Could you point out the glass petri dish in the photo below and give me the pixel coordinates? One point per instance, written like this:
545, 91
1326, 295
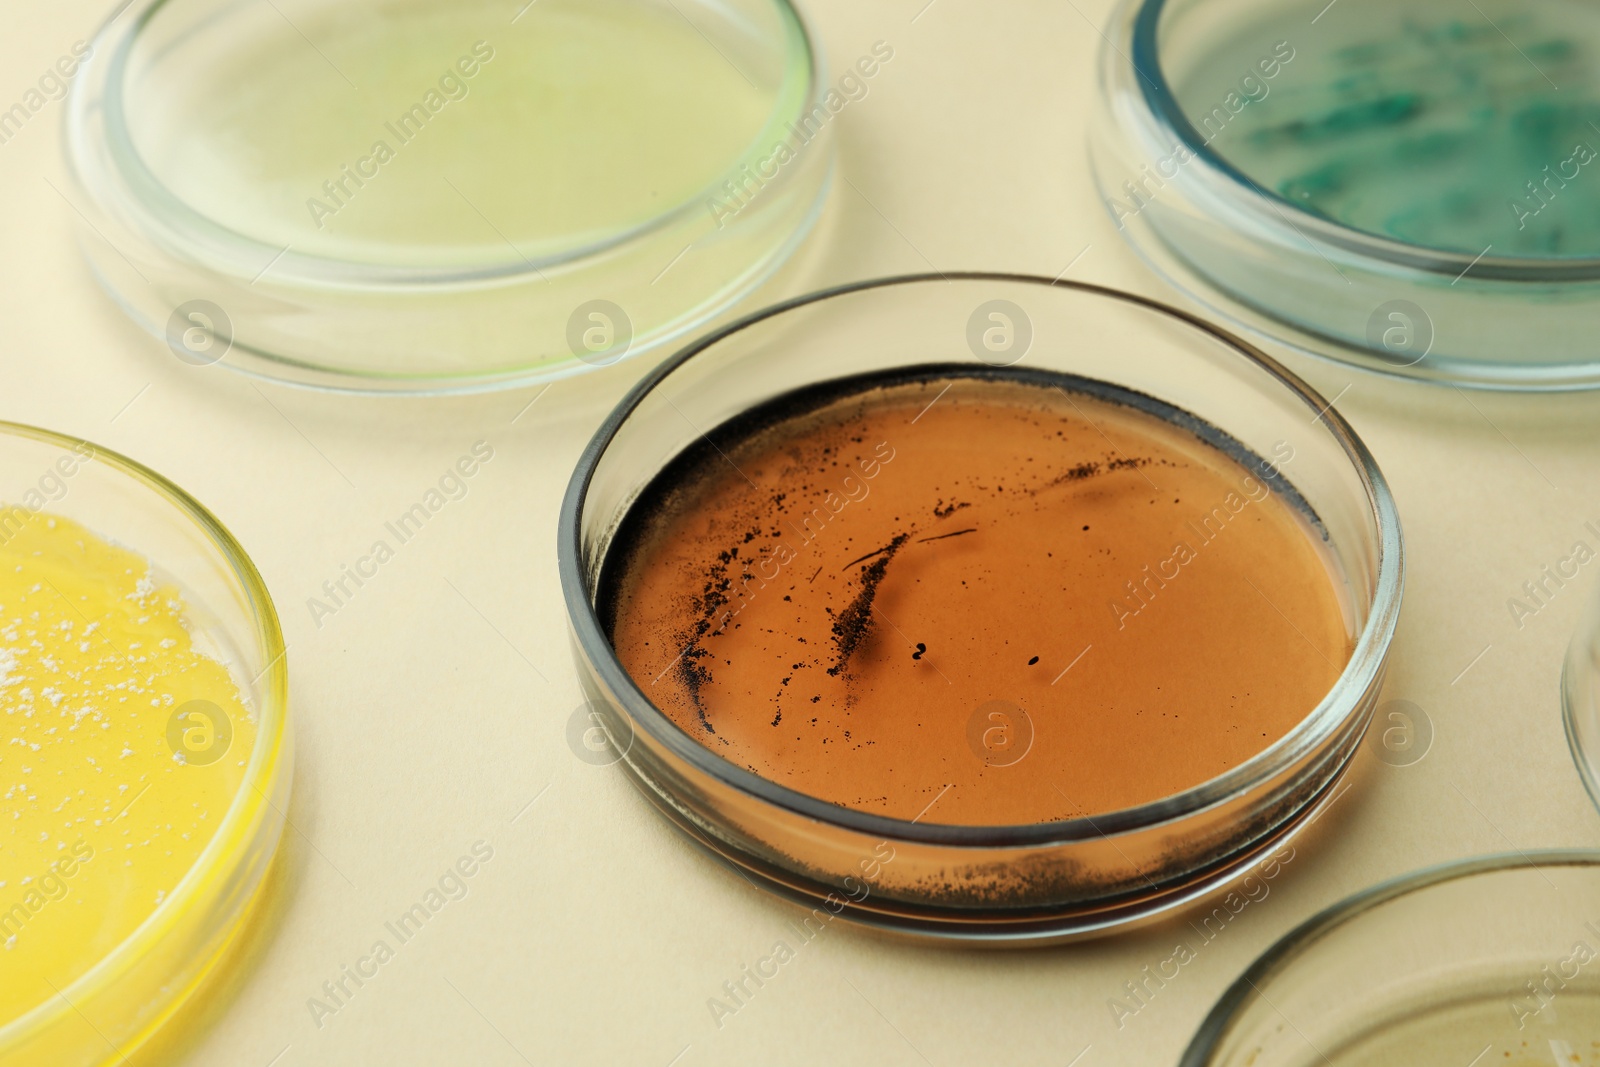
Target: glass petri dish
1395, 185
1022, 883
1487, 960
1580, 700
408, 196
147, 757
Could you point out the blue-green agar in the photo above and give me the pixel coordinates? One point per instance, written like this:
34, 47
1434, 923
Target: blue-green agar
1471, 128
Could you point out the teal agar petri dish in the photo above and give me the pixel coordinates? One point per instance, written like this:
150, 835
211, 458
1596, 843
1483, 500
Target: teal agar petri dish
414, 196
1399, 184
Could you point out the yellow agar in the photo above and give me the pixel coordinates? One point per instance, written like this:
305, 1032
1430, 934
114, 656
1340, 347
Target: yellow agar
105, 801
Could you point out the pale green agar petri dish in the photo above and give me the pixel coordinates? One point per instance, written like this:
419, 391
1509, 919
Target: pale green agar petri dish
1479, 962
427, 196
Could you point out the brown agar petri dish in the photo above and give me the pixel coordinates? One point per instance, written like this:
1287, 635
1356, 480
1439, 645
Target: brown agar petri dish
981, 607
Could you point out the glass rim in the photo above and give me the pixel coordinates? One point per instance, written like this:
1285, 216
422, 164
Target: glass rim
266, 767
1162, 101
1582, 755
1323, 722
1281, 954
197, 231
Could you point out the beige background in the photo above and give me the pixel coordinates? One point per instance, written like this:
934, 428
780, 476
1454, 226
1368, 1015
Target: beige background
428, 718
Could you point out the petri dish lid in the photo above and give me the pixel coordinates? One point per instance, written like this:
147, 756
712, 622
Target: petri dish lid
413, 196
146, 758
1389, 183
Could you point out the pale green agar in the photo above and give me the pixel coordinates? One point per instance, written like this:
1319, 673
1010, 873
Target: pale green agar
1468, 127
1559, 1031
455, 132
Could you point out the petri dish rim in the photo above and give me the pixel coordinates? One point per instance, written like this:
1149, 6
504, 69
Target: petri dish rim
268, 770
1162, 102
1571, 710
1281, 955
1366, 660
1039, 927
193, 229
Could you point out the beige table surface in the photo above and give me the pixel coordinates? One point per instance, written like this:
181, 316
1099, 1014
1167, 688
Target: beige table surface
428, 717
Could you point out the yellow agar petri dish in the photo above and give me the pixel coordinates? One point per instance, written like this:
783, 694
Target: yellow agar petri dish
144, 752
406, 195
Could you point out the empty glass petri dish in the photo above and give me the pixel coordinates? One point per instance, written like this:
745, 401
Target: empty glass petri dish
1484, 961
1580, 699
1389, 183
146, 756
1051, 866
415, 196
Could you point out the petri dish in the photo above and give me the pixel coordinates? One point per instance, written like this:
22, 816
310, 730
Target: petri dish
1488, 960
1399, 186
147, 756
927, 788
407, 196
1580, 701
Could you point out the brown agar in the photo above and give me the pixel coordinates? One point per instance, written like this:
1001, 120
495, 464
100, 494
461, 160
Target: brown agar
1053, 597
